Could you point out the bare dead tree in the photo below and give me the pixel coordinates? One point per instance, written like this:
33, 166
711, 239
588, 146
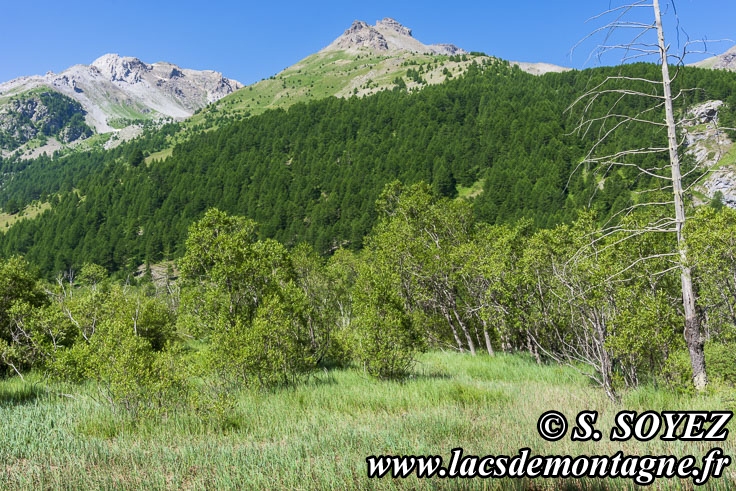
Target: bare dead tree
647, 39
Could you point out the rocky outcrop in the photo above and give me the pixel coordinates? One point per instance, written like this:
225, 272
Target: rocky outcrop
724, 182
387, 36
361, 36
391, 24
539, 68
115, 87
704, 113
446, 49
40, 114
708, 145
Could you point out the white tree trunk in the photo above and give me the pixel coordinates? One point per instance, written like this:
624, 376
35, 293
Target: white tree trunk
693, 336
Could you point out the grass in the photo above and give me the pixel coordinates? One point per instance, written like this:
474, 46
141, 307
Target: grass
29, 212
471, 191
162, 155
20, 93
130, 112
729, 158
317, 435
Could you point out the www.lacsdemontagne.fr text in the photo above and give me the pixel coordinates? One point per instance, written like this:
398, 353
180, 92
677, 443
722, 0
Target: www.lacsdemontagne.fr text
642, 470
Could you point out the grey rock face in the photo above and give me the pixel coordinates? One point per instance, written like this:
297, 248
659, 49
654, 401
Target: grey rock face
704, 113
708, 144
389, 23
726, 61
447, 49
361, 35
113, 87
387, 36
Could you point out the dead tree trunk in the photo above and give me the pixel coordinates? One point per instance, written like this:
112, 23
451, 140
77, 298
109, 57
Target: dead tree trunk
693, 338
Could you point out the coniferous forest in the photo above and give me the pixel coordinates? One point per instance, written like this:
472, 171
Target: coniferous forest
312, 174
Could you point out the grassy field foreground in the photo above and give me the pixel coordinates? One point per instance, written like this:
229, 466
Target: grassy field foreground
317, 435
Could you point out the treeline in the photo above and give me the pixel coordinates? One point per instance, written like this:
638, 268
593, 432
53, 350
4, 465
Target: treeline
250, 312
313, 173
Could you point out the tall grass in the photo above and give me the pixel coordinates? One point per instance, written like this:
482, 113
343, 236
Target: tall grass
317, 435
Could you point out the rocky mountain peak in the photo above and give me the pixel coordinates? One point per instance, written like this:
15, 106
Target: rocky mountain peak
387, 36
118, 68
390, 23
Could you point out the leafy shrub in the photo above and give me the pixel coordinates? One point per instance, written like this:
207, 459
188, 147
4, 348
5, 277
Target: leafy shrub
116, 337
129, 374
272, 350
242, 299
385, 341
720, 361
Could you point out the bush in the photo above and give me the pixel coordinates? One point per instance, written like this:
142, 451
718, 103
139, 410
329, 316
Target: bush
720, 359
385, 341
130, 374
241, 298
116, 337
272, 350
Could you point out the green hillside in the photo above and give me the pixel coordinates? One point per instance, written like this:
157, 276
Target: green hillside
335, 73
327, 74
313, 173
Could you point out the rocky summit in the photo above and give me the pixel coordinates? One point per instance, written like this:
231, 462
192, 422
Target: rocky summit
115, 89
387, 36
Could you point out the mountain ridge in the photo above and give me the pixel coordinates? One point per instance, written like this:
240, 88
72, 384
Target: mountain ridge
724, 61
362, 61
118, 87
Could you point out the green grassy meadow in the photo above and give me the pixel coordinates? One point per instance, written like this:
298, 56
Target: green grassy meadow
317, 435
327, 74
29, 212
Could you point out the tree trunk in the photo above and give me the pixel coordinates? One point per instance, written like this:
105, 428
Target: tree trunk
454, 332
464, 328
487, 337
693, 336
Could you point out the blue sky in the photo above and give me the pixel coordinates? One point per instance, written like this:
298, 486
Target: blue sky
252, 40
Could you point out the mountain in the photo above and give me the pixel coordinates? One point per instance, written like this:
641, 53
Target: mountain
725, 61
115, 92
372, 107
118, 95
362, 61
387, 36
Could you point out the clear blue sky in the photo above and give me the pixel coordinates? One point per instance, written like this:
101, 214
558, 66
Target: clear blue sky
251, 40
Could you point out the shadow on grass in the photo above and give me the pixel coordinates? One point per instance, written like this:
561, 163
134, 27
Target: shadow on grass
429, 376
18, 393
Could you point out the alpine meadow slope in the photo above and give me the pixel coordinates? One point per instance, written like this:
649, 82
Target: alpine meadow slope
364, 60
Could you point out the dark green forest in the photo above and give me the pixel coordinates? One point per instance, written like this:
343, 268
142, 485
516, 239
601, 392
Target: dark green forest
313, 173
